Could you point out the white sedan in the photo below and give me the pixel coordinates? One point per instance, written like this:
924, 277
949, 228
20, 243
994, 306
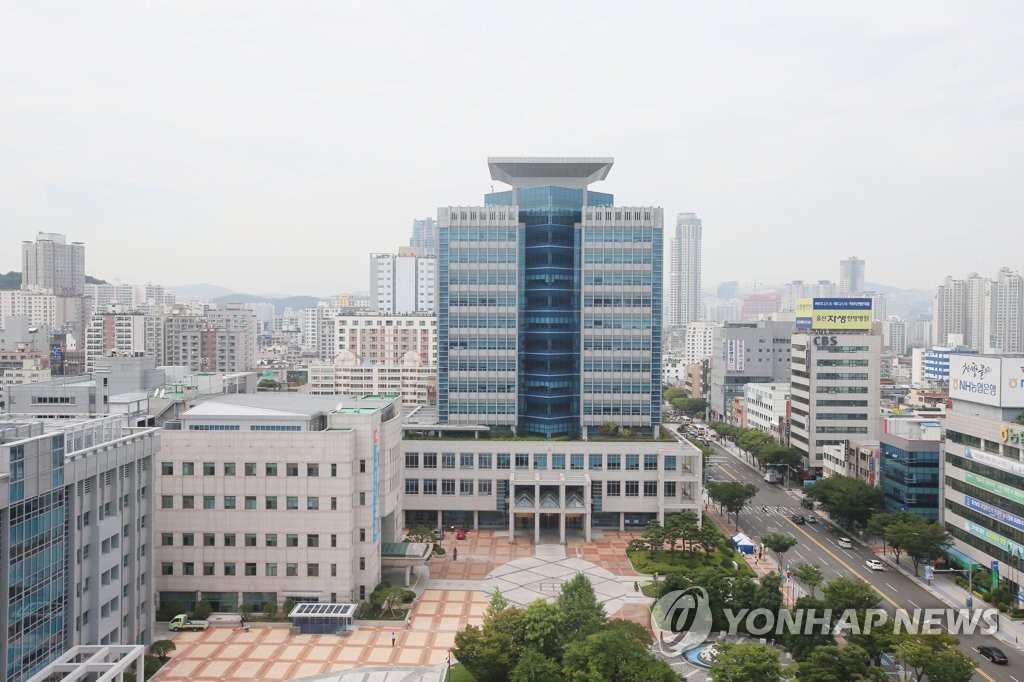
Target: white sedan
875, 565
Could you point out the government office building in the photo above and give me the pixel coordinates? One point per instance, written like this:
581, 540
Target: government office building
982, 492
76, 524
549, 328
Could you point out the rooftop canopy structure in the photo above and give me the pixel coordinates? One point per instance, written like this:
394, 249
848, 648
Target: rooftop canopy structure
541, 171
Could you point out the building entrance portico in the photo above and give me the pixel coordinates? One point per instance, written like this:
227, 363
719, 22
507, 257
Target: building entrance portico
546, 501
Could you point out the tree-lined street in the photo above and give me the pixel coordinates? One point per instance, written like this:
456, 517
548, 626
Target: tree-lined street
771, 511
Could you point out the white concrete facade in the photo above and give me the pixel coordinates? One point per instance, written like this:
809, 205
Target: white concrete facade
403, 283
411, 379
834, 391
699, 342
684, 276
269, 497
381, 338
529, 486
766, 405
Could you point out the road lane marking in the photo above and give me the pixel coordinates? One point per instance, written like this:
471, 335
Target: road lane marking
884, 596
913, 604
891, 587
844, 564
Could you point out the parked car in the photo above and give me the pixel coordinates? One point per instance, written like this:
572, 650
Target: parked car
845, 543
875, 565
798, 519
806, 502
992, 653
460, 534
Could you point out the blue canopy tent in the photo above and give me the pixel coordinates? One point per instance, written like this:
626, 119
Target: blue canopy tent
743, 544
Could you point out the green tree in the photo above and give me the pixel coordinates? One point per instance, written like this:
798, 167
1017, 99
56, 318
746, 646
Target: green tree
949, 666
162, 648
612, 656
421, 534
202, 611
879, 521
927, 543
543, 624
582, 613
849, 593
745, 662
848, 499
809, 575
801, 643
780, 543
533, 666
495, 605
491, 651
768, 595
709, 539
835, 664
654, 536
732, 495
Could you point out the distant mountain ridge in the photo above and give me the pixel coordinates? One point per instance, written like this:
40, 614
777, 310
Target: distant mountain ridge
293, 302
12, 280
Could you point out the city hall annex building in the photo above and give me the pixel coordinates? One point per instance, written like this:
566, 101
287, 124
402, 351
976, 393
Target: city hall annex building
267, 498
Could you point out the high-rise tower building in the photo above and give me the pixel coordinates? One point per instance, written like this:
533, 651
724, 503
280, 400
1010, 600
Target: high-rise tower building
50, 263
403, 283
851, 275
424, 236
684, 293
550, 303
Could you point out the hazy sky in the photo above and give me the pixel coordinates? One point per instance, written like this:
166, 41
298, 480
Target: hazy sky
269, 147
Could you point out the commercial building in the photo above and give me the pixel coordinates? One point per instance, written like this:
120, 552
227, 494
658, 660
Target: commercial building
216, 341
684, 277
403, 283
50, 264
266, 498
411, 378
894, 335
380, 339
116, 330
424, 236
746, 353
834, 389
76, 522
910, 452
550, 304
798, 289
851, 275
982, 471
117, 385
767, 407
699, 342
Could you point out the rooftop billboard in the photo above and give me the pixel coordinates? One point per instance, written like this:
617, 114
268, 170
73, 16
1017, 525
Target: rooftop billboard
989, 380
836, 314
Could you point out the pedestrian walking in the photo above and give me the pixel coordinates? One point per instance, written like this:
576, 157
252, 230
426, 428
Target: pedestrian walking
455, 554
392, 640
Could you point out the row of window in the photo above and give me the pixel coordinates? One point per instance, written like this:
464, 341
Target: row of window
291, 469
539, 461
250, 539
291, 502
428, 486
249, 569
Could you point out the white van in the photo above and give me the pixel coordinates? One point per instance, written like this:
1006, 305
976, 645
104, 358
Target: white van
845, 543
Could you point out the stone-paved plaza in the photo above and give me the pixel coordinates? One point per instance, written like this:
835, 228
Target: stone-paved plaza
453, 596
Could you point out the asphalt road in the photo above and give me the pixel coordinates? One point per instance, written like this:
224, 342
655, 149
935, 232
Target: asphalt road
815, 545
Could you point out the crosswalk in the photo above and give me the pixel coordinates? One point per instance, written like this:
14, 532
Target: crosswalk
773, 510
